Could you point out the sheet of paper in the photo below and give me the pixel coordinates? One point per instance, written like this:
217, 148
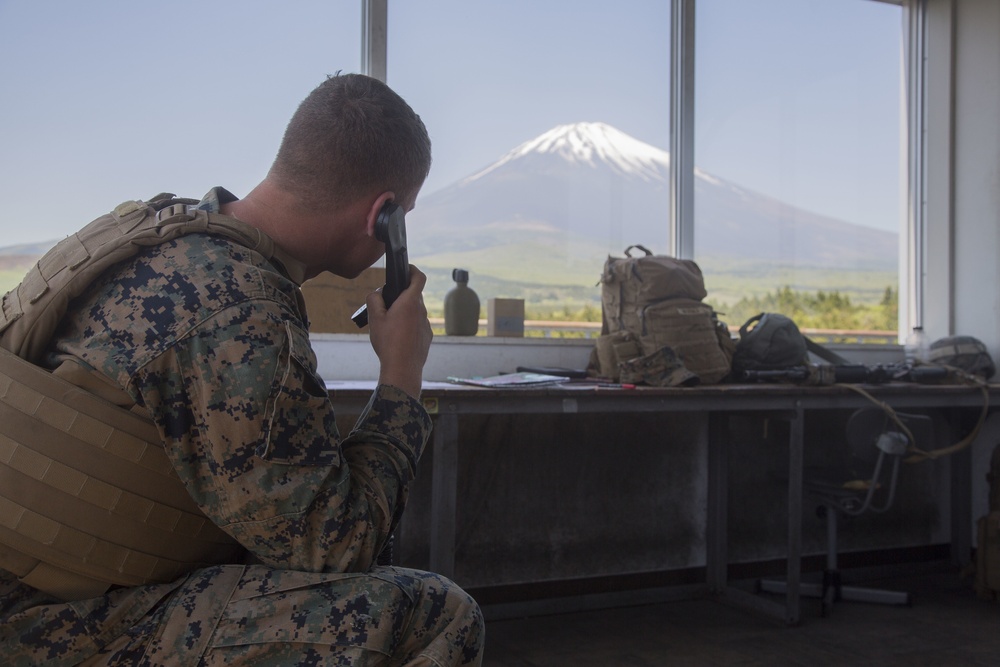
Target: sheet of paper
512, 380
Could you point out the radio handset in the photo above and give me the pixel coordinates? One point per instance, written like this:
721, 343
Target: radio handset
390, 229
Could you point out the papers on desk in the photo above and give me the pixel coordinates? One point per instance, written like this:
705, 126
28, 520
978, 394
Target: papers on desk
512, 380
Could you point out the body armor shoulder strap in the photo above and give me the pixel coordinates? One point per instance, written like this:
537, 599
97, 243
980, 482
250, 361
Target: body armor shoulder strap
30, 313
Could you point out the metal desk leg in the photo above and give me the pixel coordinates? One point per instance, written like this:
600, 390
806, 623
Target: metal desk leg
716, 525
716, 531
961, 506
795, 462
444, 483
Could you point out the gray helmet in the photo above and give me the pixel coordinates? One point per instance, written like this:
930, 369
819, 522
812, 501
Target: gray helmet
963, 352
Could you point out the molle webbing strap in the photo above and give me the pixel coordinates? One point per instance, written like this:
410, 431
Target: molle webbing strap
824, 353
105, 504
31, 312
33, 309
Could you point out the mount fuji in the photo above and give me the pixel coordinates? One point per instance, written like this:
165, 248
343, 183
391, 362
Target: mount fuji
579, 192
540, 221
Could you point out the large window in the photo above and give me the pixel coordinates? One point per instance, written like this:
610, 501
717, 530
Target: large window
800, 174
551, 136
550, 122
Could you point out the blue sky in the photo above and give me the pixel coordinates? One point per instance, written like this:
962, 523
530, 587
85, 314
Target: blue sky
112, 99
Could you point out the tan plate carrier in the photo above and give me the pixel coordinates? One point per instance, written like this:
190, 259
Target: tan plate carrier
88, 496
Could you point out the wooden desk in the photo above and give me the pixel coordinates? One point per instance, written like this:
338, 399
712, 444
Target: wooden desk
714, 404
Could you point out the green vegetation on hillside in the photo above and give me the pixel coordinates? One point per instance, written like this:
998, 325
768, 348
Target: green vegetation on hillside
729, 281
810, 310
816, 310
816, 299
9, 278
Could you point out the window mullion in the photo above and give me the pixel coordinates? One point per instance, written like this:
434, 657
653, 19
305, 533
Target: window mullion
682, 129
913, 268
374, 31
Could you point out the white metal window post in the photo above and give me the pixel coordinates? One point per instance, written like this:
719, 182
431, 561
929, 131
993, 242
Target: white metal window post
682, 128
913, 267
374, 30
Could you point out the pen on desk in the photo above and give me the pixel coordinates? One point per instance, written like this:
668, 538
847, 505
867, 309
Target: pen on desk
614, 385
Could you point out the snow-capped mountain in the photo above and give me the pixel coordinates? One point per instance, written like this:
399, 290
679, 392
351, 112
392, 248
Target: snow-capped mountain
550, 211
579, 192
590, 144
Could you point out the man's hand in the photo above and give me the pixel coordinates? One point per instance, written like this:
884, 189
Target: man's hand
401, 336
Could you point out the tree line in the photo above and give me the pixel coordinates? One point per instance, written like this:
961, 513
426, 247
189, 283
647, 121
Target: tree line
817, 310
810, 310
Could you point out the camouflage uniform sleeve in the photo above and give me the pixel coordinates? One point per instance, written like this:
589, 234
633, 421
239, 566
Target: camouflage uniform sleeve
251, 432
212, 340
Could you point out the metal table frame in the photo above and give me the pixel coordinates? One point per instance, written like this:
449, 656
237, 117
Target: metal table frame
447, 403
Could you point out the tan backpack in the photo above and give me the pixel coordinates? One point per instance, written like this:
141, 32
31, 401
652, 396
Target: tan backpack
656, 301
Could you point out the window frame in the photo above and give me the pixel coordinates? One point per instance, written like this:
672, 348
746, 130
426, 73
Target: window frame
913, 243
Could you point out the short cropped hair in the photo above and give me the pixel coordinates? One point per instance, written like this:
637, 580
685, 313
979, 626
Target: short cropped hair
350, 138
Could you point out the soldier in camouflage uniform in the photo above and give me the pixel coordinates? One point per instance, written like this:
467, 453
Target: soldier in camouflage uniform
212, 340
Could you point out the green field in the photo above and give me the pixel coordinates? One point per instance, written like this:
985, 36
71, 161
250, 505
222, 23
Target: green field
11, 277
729, 281
818, 299
556, 287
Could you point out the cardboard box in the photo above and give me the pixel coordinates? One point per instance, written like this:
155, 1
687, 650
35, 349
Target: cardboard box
505, 317
331, 300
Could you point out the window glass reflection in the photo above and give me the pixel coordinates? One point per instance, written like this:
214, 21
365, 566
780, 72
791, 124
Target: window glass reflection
550, 126
798, 200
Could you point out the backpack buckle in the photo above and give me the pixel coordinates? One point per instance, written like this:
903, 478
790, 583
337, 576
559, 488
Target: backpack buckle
174, 213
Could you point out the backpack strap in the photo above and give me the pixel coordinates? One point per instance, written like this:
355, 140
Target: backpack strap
824, 353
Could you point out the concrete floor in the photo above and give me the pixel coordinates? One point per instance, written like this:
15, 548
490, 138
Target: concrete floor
946, 625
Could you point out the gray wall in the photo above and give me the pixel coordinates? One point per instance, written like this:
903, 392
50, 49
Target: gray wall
963, 170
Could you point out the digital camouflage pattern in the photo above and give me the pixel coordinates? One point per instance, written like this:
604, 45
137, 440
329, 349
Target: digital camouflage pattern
249, 615
662, 368
212, 341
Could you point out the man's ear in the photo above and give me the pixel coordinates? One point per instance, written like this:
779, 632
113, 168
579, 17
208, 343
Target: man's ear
375, 209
